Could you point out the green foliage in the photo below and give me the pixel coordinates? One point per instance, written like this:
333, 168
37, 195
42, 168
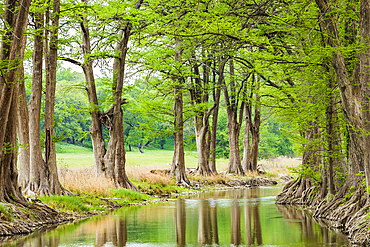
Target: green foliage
349, 194
306, 171
273, 140
5, 213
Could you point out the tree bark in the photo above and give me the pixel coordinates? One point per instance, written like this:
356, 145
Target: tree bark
115, 157
51, 70
350, 96
96, 128
233, 123
331, 142
365, 83
23, 128
199, 97
255, 129
246, 140
216, 99
38, 169
9, 189
178, 161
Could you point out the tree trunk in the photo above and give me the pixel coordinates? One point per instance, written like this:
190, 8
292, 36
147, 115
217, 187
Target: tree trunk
202, 150
178, 161
140, 147
216, 100
51, 70
199, 97
96, 128
330, 139
23, 128
254, 127
365, 83
38, 169
246, 140
234, 155
115, 157
233, 124
349, 93
9, 189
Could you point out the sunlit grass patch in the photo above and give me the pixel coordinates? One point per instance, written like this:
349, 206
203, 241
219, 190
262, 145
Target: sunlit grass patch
125, 196
73, 203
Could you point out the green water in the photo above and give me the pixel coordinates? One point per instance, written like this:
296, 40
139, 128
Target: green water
246, 217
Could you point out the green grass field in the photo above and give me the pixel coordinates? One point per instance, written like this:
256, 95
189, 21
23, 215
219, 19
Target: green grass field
72, 156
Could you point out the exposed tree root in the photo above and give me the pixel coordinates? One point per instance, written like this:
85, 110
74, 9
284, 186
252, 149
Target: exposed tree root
347, 210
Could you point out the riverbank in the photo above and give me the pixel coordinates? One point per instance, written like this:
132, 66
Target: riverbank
50, 211
347, 211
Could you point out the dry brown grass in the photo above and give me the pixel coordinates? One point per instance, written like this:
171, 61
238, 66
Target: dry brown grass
143, 174
279, 164
83, 180
209, 180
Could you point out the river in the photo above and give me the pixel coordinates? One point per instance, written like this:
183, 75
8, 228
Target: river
239, 217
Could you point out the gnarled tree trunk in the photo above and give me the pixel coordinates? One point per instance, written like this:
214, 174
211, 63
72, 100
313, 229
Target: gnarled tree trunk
9, 189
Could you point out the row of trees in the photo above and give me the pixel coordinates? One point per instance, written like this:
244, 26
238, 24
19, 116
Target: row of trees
72, 121
305, 60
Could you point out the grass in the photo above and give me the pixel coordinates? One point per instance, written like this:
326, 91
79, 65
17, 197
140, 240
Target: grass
75, 204
73, 156
5, 213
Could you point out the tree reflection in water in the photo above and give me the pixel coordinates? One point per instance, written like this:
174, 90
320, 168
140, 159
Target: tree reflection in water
114, 231
207, 223
252, 213
180, 222
293, 215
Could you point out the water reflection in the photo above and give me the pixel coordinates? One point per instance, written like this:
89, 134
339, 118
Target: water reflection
111, 231
180, 222
236, 217
253, 235
304, 220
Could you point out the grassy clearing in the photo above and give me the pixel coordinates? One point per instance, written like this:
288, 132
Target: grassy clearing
80, 157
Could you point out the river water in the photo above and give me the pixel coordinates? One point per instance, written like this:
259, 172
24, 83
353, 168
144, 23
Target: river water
240, 217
